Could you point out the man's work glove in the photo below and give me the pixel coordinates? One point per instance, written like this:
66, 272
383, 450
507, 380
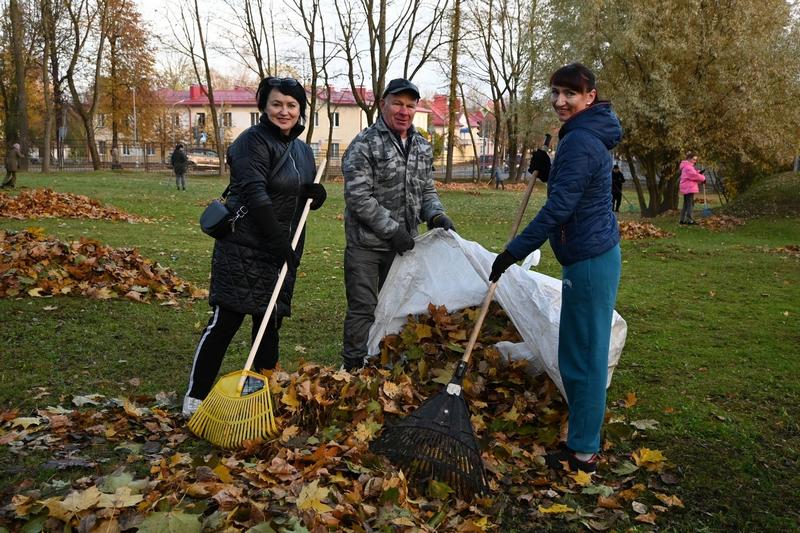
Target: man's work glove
441, 221
316, 192
278, 242
540, 162
401, 241
501, 263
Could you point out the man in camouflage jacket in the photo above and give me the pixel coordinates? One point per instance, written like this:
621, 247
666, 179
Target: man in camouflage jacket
388, 192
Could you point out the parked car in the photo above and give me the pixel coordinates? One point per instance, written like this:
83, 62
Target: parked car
202, 159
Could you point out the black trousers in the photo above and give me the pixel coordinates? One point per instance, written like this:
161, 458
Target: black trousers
364, 274
616, 200
214, 342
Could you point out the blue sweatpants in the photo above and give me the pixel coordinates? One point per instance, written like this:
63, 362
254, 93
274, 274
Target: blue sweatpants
588, 295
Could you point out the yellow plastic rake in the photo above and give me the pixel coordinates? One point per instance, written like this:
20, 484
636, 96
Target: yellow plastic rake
228, 417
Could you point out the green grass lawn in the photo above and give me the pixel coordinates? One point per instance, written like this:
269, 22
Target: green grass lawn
712, 348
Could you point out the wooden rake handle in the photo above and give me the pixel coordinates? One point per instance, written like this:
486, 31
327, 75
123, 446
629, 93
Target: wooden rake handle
276, 291
487, 300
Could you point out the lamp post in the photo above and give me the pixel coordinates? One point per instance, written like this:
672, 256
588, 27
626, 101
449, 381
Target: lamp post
135, 129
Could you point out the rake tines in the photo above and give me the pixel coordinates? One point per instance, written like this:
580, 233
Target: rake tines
437, 442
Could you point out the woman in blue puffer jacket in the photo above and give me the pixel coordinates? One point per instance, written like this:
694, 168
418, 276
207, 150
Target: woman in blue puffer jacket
583, 232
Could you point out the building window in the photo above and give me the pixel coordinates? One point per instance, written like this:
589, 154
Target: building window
101, 147
333, 149
201, 119
101, 120
227, 120
150, 149
176, 120
253, 119
315, 149
126, 149
316, 119
335, 119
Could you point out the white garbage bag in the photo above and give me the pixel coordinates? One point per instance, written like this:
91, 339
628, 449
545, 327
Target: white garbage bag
445, 269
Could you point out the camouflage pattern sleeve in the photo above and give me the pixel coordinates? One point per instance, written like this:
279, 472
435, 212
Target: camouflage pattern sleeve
361, 193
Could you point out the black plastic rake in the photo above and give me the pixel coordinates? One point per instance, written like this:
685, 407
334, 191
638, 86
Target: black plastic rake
437, 440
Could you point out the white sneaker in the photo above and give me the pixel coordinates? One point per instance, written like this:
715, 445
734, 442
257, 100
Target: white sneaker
190, 405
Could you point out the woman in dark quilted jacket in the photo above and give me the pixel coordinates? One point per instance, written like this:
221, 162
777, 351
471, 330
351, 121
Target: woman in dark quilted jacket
246, 263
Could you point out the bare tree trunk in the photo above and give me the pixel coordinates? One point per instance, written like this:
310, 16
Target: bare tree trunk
452, 100
309, 34
186, 46
47, 22
475, 163
87, 115
21, 100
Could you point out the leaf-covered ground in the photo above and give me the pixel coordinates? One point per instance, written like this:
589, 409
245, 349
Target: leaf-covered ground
140, 468
720, 222
34, 264
633, 230
46, 203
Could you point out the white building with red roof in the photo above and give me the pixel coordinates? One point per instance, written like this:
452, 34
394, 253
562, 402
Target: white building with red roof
439, 121
185, 118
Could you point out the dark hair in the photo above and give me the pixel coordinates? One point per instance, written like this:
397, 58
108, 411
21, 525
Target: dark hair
288, 86
575, 76
689, 154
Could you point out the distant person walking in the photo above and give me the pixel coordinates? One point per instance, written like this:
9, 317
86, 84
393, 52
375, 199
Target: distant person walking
690, 177
179, 162
13, 158
498, 178
617, 179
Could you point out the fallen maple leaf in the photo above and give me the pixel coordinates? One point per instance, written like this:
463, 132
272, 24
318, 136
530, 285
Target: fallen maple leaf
121, 498
652, 460
670, 501
174, 521
311, 497
582, 478
556, 508
27, 421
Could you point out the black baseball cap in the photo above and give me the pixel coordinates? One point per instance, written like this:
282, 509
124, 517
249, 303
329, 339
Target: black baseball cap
401, 85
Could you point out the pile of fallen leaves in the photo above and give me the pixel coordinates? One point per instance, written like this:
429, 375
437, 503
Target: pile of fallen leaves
37, 265
631, 230
721, 222
46, 203
318, 474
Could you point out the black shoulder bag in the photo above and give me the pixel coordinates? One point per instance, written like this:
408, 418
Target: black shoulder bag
217, 220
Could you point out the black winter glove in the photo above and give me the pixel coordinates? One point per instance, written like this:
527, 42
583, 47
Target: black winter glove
316, 192
402, 241
278, 242
441, 221
501, 263
540, 162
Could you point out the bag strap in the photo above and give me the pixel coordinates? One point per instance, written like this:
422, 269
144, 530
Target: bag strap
274, 170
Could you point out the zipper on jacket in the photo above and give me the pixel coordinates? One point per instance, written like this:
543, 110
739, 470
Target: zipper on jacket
296, 198
563, 234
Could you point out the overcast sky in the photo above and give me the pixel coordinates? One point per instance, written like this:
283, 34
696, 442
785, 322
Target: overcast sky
160, 15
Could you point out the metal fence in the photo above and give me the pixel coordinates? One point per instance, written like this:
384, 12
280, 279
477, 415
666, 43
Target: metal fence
155, 157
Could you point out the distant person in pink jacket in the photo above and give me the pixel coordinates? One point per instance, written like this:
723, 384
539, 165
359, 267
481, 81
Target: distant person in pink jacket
690, 177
